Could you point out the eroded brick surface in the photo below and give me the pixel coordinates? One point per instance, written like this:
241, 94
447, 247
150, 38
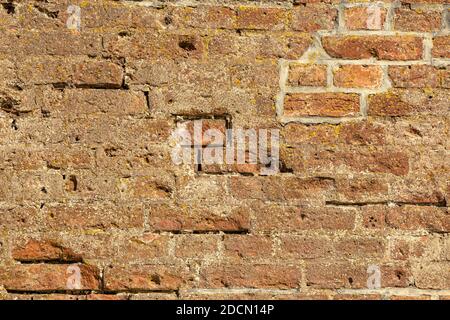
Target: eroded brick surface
93, 207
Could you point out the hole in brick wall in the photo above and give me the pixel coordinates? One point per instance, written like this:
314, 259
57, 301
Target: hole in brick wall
399, 275
350, 280
9, 7
72, 183
14, 125
168, 20
44, 190
187, 44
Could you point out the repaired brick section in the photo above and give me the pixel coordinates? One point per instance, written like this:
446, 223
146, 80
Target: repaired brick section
85, 150
321, 104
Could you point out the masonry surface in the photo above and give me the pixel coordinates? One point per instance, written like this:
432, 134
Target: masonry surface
362, 105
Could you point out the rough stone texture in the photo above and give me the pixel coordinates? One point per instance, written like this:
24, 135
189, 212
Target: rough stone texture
88, 182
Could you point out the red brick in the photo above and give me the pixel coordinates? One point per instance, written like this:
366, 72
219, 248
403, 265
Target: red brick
247, 247
380, 47
359, 18
348, 275
307, 75
419, 76
72, 103
353, 133
214, 17
85, 216
321, 104
441, 47
259, 46
417, 20
351, 248
256, 18
313, 17
147, 277
45, 250
347, 160
289, 218
196, 246
276, 189
76, 71
301, 247
418, 218
250, 276
170, 218
356, 76
47, 277
432, 275
407, 102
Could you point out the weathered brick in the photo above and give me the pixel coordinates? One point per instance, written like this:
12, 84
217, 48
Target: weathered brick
147, 277
290, 218
87, 216
356, 76
301, 247
259, 46
365, 18
307, 75
432, 275
247, 247
419, 76
47, 277
196, 246
277, 189
256, 18
214, 17
379, 47
171, 218
250, 276
73, 102
348, 275
419, 217
441, 47
313, 17
321, 104
45, 250
399, 102
347, 133
417, 20
76, 71
350, 160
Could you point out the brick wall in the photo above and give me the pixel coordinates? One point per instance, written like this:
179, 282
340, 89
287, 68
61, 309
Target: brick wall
358, 90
